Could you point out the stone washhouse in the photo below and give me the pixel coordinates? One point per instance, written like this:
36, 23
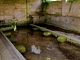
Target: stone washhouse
39, 29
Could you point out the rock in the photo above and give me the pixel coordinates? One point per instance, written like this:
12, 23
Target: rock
47, 33
21, 48
61, 39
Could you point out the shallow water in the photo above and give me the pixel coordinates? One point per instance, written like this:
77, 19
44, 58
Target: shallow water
44, 47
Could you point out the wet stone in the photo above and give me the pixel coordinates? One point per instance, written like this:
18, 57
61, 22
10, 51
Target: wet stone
72, 52
44, 47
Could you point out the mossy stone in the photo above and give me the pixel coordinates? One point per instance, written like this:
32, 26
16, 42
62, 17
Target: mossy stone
61, 39
21, 48
35, 28
47, 33
13, 40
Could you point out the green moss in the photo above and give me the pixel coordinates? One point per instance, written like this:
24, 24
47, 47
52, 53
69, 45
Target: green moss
7, 34
61, 39
7, 28
48, 58
21, 48
13, 40
35, 28
47, 33
76, 30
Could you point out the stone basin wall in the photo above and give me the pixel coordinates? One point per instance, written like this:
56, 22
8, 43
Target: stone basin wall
57, 13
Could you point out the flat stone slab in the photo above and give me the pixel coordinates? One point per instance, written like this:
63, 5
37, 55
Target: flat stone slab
75, 39
7, 49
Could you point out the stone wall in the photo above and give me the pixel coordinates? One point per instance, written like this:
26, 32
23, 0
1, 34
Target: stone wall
21, 9
10, 9
58, 14
55, 8
64, 22
75, 8
33, 6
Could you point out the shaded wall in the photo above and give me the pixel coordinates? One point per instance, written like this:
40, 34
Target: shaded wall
10, 9
75, 8
55, 8
69, 19
33, 6
58, 14
20, 9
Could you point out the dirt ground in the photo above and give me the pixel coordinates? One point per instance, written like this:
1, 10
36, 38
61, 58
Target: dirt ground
39, 47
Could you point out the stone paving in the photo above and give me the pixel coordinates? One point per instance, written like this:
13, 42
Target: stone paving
7, 50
